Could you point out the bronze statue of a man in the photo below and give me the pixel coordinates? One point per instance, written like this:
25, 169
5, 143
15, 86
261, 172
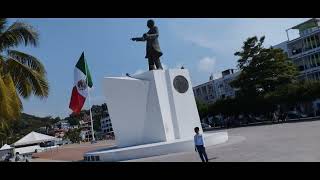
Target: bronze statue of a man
153, 53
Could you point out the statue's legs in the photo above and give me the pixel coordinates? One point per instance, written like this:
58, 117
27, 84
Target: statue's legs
158, 63
151, 64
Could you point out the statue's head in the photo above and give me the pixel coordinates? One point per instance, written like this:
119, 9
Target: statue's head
150, 23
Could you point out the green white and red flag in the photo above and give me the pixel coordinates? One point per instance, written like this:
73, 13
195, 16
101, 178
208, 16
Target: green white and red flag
82, 83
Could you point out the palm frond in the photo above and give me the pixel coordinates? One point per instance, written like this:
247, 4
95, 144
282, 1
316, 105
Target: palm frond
2, 64
3, 22
4, 100
24, 87
3, 127
18, 33
25, 77
10, 105
14, 100
27, 60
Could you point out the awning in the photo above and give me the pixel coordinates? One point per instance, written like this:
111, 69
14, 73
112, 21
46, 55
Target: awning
33, 138
6, 146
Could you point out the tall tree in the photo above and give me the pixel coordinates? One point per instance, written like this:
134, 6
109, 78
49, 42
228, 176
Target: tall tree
262, 69
202, 108
21, 74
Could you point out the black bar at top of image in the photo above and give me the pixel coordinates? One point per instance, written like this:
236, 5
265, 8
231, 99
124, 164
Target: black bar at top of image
156, 9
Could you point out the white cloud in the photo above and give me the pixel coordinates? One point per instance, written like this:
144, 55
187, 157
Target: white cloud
179, 65
139, 71
203, 42
217, 75
225, 36
206, 64
164, 66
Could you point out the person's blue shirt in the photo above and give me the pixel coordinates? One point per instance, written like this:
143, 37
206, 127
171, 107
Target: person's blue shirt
198, 140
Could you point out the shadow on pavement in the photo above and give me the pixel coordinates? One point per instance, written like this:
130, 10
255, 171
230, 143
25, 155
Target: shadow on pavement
213, 158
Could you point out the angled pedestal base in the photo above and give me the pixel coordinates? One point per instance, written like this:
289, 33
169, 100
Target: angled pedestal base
153, 149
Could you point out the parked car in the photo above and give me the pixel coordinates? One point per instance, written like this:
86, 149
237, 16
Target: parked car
217, 122
205, 126
295, 115
246, 119
260, 118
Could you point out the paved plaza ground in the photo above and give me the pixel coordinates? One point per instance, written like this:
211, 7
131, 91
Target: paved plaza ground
299, 141
70, 152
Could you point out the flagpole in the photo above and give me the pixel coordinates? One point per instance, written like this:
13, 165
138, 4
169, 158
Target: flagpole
92, 132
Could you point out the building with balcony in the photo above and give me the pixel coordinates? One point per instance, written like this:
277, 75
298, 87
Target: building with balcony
85, 126
106, 125
304, 51
215, 89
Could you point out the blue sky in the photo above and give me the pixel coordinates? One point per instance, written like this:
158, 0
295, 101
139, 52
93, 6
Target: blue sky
203, 46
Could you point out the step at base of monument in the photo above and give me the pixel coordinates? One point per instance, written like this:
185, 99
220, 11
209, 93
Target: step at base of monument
154, 149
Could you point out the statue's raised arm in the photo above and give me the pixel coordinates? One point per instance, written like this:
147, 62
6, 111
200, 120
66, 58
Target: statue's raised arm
153, 51
138, 39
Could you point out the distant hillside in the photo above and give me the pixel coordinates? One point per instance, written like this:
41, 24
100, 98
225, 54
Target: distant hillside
28, 123
25, 125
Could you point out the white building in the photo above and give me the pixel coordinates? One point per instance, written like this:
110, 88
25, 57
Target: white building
85, 135
215, 89
106, 125
304, 51
63, 124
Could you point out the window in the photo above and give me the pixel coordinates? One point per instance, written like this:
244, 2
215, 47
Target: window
210, 89
312, 65
198, 92
317, 56
306, 44
204, 90
305, 63
315, 60
313, 41
317, 40
97, 158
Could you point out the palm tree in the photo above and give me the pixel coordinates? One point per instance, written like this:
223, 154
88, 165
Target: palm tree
21, 74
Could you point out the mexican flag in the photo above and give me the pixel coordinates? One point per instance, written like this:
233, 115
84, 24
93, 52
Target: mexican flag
82, 83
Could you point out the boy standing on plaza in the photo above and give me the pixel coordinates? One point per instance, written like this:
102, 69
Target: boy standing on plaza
199, 145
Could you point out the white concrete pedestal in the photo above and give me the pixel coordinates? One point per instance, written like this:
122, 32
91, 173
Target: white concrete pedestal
152, 113
154, 149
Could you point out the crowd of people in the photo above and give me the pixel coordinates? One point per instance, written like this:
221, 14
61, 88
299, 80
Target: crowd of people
16, 158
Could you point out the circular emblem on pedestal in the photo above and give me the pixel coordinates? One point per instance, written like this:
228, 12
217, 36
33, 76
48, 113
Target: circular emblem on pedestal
181, 84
